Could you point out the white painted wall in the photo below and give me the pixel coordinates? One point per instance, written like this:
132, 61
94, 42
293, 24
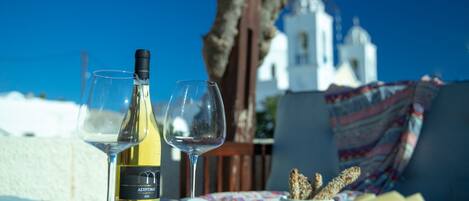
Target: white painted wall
55, 165
307, 82
358, 46
277, 56
264, 89
365, 54
271, 82
318, 71
21, 115
52, 169
345, 76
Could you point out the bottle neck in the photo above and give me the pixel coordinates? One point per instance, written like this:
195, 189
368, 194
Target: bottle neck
145, 92
143, 82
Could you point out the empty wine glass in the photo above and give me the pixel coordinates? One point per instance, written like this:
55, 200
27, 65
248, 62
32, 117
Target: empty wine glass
112, 118
195, 120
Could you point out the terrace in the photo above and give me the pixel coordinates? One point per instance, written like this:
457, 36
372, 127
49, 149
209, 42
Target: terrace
308, 87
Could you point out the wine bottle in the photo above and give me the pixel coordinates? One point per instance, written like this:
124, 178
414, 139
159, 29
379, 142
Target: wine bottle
138, 168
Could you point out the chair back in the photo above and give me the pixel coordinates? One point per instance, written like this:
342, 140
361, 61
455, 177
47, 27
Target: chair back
438, 168
231, 167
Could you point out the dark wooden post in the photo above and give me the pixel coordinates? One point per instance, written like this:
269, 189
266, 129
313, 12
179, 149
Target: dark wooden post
238, 87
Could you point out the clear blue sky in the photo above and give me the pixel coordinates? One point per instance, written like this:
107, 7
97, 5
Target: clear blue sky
40, 41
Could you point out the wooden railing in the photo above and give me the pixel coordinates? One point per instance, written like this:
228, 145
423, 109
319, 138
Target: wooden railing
219, 174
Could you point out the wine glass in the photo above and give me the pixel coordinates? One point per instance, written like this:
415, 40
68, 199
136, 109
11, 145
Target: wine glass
111, 117
195, 120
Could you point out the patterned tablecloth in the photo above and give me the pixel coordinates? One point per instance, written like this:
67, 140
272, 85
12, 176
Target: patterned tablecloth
262, 196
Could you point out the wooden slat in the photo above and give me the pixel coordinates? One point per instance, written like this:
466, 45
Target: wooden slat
241, 186
263, 176
182, 177
220, 174
232, 149
206, 176
254, 173
188, 173
184, 184
268, 159
264, 151
233, 175
246, 176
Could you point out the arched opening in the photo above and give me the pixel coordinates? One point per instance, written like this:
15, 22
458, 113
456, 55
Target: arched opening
302, 49
354, 63
273, 71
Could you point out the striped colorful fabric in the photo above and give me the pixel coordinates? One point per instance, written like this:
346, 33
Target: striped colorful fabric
377, 127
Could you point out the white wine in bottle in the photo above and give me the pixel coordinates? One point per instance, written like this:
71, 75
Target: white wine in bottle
138, 168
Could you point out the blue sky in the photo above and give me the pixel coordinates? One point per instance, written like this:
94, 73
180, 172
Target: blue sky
41, 41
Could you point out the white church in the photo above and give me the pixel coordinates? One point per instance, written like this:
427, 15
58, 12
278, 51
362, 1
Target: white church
302, 58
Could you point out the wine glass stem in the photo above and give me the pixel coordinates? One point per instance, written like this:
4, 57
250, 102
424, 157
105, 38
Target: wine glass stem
111, 177
193, 158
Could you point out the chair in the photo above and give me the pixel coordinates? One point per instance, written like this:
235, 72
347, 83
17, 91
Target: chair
243, 158
438, 168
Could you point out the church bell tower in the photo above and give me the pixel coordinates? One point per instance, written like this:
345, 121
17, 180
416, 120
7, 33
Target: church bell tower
310, 46
360, 53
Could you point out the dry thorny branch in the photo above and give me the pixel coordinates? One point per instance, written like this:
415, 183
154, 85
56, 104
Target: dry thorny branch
219, 42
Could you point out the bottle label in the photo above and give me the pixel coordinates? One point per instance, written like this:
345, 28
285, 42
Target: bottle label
139, 182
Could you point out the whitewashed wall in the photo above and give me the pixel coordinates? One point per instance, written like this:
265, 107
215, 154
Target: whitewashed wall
51, 169
55, 165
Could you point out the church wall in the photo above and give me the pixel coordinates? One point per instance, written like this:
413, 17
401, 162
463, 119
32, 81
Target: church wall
349, 52
324, 44
301, 78
365, 54
309, 61
371, 63
294, 25
265, 89
276, 58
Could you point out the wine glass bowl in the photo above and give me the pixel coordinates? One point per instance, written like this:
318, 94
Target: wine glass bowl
195, 120
111, 117
105, 111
